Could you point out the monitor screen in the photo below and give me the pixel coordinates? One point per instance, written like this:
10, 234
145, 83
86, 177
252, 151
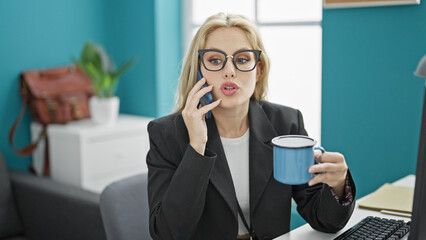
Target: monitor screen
418, 219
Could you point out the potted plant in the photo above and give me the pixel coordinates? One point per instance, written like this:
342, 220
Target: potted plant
96, 63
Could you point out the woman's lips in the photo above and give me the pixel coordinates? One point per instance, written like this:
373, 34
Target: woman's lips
229, 88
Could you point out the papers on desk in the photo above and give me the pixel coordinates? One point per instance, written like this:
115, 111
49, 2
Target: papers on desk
390, 198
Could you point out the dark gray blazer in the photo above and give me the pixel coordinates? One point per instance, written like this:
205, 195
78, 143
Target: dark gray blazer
192, 196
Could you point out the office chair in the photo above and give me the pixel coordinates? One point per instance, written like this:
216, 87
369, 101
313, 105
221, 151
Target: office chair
124, 209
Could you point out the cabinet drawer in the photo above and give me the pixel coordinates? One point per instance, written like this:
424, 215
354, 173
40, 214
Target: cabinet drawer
114, 155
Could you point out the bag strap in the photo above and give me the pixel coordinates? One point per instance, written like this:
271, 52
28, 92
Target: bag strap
249, 229
32, 146
46, 166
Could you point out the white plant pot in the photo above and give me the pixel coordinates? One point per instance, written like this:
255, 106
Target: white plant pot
104, 110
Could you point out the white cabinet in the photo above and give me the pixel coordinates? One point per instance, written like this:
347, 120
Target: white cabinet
92, 156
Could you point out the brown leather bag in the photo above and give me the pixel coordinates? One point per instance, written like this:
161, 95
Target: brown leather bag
58, 95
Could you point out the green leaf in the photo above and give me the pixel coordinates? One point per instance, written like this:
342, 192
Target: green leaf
106, 62
91, 54
123, 68
97, 64
97, 78
106, 83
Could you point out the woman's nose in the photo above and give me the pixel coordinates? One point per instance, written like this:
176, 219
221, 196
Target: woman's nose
229, 70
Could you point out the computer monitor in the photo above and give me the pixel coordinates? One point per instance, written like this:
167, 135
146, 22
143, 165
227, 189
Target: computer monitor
418, 218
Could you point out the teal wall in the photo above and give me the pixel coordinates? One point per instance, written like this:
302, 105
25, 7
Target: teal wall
151, 31
371, 103
45, 33
131, 32
38, 34
168, 52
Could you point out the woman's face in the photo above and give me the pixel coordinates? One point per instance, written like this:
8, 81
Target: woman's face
233, 86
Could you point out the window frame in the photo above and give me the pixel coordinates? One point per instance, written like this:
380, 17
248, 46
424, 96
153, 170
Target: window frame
189, 26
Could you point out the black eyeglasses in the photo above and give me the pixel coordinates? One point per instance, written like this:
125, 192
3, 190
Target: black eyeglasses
243, 60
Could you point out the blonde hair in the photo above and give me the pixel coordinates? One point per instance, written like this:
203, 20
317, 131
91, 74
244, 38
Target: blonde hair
188, 76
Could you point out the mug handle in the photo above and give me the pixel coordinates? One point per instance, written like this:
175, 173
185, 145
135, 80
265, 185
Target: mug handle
317, 161
320, 148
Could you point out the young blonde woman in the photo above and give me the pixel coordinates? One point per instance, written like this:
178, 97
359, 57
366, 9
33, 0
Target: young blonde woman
211, 178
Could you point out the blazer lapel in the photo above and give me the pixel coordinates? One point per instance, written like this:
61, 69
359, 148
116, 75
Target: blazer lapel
260, 158
260, 152
221, 175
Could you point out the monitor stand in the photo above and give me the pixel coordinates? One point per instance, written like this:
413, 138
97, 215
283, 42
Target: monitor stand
418, 219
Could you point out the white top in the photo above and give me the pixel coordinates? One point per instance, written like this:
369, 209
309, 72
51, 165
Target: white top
237, 154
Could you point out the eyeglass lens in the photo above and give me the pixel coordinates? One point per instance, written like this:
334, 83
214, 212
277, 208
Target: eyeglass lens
243, 61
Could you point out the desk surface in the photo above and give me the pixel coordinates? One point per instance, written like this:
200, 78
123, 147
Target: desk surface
305, 232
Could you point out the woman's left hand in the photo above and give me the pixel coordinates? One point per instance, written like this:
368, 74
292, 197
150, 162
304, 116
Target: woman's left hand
334, 169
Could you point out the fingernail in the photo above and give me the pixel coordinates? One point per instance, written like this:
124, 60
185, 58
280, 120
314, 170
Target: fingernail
310, 170
310, 183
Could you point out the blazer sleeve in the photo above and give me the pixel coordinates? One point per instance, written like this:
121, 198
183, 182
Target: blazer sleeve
317, 205
176, 191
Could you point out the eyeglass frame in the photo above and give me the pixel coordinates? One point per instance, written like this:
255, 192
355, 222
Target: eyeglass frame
201, 53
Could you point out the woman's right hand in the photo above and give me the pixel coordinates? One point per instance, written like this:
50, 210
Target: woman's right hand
194, 117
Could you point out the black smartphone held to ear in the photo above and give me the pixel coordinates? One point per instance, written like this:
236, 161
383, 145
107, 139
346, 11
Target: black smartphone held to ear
207, 98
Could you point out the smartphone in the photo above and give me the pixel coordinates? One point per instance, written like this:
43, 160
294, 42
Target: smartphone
207, 98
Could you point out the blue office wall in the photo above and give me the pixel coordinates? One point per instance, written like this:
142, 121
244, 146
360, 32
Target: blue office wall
168, 52
131, 33
151, 31
45, 33
371, 103
38, 34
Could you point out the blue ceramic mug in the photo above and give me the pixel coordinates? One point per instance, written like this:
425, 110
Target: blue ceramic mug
293, 155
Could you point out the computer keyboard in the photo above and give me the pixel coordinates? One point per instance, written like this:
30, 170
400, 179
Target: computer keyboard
375, 228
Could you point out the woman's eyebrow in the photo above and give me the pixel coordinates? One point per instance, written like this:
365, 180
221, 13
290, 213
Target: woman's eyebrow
243, 48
